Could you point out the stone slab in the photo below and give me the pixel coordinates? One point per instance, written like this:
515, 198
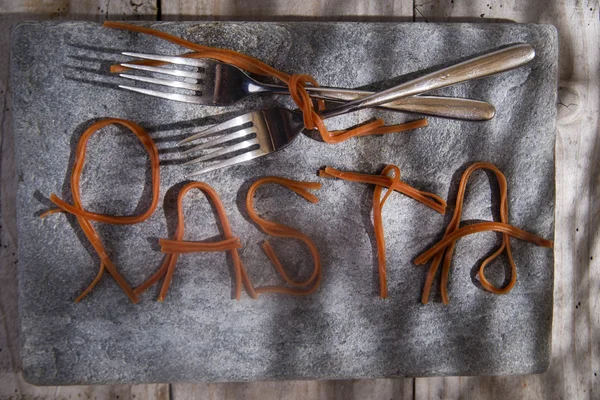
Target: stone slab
61, 85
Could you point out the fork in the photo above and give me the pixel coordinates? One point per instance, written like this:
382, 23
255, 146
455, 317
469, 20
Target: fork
218, 84
273, 129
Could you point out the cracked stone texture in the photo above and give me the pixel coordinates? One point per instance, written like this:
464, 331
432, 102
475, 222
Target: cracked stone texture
61, 85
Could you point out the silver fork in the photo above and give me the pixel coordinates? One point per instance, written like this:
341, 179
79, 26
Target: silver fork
217, 84
272, 129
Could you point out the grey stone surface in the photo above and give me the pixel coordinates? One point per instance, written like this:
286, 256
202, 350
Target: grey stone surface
344, 330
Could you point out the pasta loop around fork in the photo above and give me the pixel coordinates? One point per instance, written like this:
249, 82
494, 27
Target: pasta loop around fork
312, 120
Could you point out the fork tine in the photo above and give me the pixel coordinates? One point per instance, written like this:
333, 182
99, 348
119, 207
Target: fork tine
232, 123
170, 96
166, 71
229, 162
165, 82
194, 62
224, 151
219, 140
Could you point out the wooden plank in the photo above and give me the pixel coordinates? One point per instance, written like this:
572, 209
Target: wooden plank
85, 9
272, 9
298, 390
12, 386
575, 357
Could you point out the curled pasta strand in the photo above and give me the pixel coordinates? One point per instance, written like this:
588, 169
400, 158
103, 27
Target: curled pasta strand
280, 230
431, 200
92, 285
442, 252
392, 183
84, 217
173, 248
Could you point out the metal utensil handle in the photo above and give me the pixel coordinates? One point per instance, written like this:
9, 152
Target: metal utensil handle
479, 67
438, 106
445, 107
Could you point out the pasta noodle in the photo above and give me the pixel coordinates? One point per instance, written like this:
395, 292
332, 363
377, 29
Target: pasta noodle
178, 246
84, 217
280, 230
444, 249
393, 183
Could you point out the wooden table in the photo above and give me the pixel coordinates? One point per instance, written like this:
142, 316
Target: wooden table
575, 361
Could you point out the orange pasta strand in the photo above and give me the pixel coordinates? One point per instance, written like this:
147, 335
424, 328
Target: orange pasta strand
178, 246
296, 84
431, 200
392, 183
280, 230
92, 285
442, 251
84, 217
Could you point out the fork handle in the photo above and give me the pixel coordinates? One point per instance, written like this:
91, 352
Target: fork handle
438, 106
479, 67
445, 107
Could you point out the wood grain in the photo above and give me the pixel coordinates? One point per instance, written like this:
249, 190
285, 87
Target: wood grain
297, 390
84, 9
273, 9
